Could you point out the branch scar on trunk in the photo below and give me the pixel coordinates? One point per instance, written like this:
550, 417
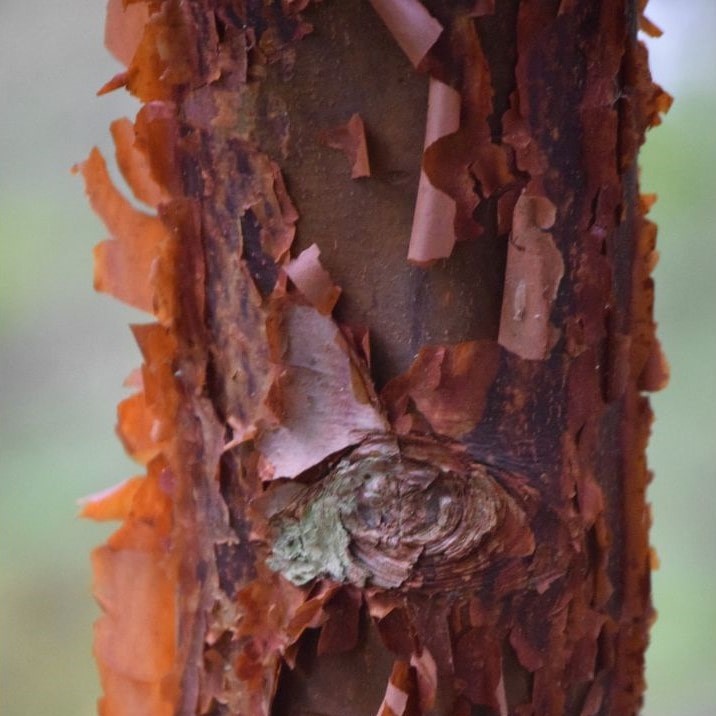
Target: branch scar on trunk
414, 513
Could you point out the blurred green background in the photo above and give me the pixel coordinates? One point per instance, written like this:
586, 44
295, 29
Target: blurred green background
64, 352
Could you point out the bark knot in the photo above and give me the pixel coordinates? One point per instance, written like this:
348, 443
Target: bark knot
404, 513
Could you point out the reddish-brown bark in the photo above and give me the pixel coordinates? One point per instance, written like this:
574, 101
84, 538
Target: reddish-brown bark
419, 489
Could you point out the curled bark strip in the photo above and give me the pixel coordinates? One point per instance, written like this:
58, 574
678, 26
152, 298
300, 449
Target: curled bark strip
413, 514
470, 165
433, 233
412, 26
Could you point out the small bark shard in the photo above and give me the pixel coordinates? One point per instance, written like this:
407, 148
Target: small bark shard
650, 28
413, 27
447, 384
655, 374
433, 234
274, 210
313, 281
272, 615
529, 656
114, 503
133, 164
139, 428
534, 270
350, 139
340, 633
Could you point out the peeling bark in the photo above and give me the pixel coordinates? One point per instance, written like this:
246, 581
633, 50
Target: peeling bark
373, 487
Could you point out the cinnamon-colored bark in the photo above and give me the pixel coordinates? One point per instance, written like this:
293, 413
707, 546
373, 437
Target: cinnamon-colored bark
374, 487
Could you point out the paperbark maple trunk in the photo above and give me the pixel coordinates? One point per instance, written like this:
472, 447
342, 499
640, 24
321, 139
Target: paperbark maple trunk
427, 497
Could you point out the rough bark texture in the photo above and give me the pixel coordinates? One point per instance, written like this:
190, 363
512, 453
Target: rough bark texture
374, 487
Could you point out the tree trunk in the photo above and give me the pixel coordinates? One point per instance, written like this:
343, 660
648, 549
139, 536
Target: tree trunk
425, 495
